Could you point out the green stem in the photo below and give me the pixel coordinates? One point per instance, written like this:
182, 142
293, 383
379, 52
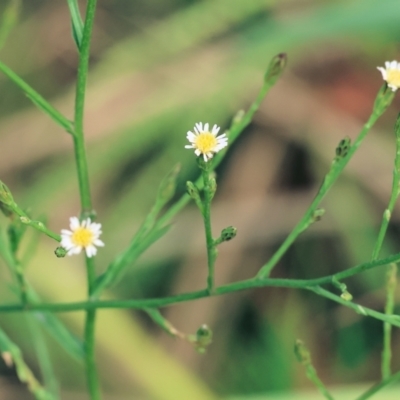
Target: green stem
387, 328
79, 143
84, 189
206, 211
330, 178
376, 388
392, 202
307, 284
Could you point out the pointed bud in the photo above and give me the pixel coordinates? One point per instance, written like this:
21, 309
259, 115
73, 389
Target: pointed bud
301, 352
5, 195
275, 68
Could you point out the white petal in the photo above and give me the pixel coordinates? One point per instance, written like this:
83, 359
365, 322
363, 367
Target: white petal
215, 129
206, 127
74, 223
189, 146
197, 152
98, 243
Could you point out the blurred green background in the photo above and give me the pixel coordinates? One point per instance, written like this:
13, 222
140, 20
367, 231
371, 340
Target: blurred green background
157, 67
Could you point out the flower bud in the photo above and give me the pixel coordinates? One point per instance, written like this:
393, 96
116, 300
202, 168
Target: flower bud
228, 233
60, 252
275, 68
301, 352
5, 195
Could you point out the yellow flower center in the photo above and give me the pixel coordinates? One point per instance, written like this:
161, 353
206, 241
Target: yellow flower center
82, 237
393, 77
206, 142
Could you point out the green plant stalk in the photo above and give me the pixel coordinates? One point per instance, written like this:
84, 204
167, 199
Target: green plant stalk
387, 328
307, 284
84, 190
379, 386
392, 201
304, 357
313, 376
330, 178
206, 212
37, 99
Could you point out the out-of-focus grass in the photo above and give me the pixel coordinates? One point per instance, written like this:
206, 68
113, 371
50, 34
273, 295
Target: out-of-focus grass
157, 68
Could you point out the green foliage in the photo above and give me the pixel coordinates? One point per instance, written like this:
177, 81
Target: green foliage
148, 84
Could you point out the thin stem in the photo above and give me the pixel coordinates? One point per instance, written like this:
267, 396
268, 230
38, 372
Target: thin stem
307, 284
84, 189
304, 356
79, 143
392, 202
206, 211
334, 172
387, 328
376, 388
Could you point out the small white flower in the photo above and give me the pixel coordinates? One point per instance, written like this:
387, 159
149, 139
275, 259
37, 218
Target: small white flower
83, 235
206, 142
391, 74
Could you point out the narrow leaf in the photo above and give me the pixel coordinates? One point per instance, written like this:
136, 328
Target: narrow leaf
37, 99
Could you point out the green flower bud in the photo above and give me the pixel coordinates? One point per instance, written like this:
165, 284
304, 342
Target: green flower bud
203, 338
6, 197
228, 233
60, 252
275, 68
301, 352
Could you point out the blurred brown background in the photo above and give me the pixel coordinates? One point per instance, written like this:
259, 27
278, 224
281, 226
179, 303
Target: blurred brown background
158, 67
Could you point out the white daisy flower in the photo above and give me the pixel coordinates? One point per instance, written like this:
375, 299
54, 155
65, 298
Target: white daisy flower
391, 74
83, 235
206, 142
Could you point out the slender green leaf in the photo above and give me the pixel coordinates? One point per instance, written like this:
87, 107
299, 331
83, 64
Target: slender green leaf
12, 355
37, 99
8, 20
76, 21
